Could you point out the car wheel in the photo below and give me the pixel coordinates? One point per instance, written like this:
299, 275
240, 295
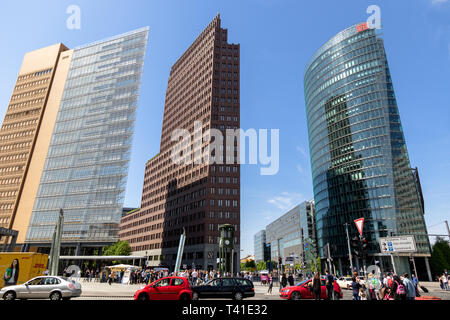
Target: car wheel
143, 297
185, 297
195, 296
55, 295
295, 295
238, 296
10, 295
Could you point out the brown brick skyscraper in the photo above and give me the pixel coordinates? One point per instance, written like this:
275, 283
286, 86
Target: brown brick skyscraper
203, 86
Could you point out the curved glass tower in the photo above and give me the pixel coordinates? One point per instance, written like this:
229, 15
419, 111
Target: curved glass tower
359, 161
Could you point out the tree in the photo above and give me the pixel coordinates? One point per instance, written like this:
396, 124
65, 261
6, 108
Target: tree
250, 264
261, 266
120, 248
440, 256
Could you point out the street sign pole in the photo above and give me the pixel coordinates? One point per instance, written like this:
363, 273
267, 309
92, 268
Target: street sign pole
393, 263
349, 249
359, 225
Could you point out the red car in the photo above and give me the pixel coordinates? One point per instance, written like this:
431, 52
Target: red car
168, 288
302, 291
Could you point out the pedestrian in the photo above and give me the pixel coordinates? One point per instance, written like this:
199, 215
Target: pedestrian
329, 285
398, 288
416, 284
409, 287
443, 282
283, 281
270, 284
355, 288
316, 286
291, 280
194, 277
110, 278
336, 290
362, 294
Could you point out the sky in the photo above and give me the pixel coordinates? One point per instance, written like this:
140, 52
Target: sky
277, 38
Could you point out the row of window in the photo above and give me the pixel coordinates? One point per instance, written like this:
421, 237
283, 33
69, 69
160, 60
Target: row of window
31, 84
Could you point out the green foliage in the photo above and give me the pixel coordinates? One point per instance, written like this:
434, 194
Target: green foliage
261, 266
250, 264
440, 257
120, 248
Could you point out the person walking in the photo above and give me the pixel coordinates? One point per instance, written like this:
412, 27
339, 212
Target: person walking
291, 280
270, 284
398, 288
336, 290
444, 282
194, 277
283, 281
329, 285
316, 284
410, 288
355, 288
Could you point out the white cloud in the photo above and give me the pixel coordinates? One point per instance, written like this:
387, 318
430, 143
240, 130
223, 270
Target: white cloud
299, 168
438, 2
287, 200
302, 151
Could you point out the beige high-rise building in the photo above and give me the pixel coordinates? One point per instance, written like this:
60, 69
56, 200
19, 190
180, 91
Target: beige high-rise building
21, 128
65, 143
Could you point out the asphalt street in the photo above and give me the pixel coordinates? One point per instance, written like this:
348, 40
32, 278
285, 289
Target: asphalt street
104, 291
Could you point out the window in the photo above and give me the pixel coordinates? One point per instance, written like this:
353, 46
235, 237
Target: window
51, 281
37, 281
163, 283
214, 283
177, 282
227, 282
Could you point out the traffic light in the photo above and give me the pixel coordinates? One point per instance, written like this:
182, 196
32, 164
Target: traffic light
280, 261
365, 244
356, 246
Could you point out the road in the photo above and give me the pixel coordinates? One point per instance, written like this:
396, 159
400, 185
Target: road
104, 291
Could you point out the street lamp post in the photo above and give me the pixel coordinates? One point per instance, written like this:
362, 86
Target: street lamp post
349, 249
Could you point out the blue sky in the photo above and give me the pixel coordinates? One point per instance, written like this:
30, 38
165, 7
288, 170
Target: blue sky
277, 38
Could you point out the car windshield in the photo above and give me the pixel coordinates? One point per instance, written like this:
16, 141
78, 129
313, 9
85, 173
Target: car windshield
302, 282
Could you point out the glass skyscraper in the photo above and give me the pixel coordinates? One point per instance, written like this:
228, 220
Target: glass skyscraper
360, 164
86, 166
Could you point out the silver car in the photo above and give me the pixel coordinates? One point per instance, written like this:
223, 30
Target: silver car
45, 287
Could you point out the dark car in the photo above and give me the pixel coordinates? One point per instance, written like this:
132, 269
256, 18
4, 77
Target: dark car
168, 288
234, 288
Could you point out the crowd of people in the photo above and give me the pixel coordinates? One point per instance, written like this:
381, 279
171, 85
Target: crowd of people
388, 286
148, 275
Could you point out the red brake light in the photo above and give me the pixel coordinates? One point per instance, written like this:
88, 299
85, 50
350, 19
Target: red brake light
71, 286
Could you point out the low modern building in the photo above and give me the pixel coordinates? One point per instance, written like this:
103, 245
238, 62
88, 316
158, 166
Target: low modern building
286, 235
261, 248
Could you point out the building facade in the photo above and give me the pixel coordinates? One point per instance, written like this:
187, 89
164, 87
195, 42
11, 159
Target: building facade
80, 158
260, 247
359, 160
21, 127
202, 94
